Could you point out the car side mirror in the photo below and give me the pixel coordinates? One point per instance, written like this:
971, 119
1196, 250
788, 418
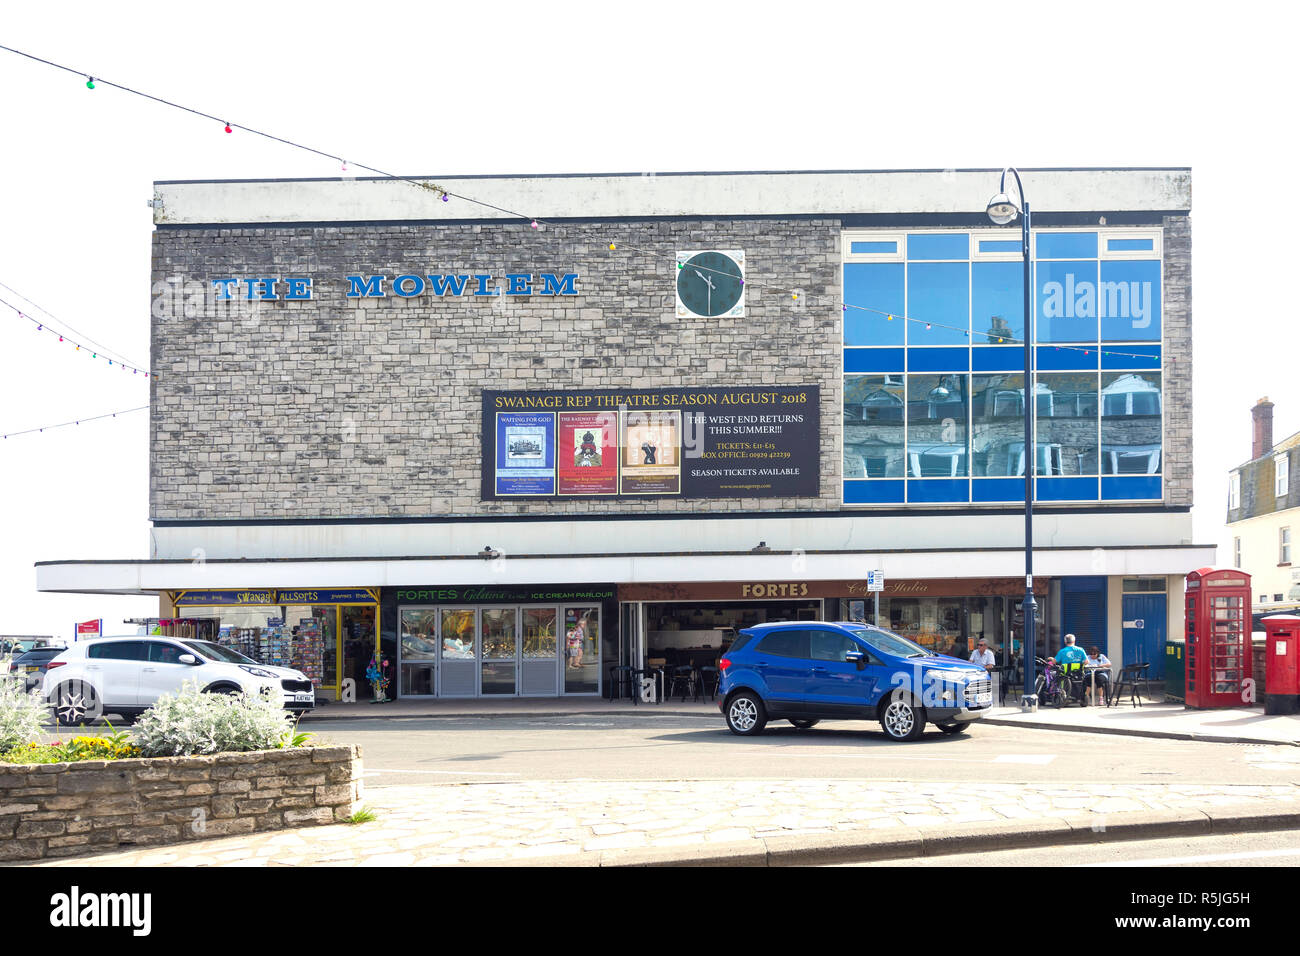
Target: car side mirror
856, 657
188, 659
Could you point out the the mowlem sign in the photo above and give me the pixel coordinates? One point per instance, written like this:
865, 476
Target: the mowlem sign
361, 286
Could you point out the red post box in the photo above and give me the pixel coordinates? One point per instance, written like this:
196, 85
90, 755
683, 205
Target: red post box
1281, 675
1218, 638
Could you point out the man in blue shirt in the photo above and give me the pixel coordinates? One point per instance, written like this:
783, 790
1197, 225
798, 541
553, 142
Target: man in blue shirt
1070, 653
1071, 658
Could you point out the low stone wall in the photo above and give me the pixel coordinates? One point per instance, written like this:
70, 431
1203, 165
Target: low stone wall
66, 809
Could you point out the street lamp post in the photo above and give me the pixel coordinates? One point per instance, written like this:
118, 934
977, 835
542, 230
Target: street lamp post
1002, 211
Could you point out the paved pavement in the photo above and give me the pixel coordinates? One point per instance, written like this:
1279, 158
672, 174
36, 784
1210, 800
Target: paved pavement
757, 819
751, 822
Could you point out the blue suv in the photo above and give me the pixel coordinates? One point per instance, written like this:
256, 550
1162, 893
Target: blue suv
806, 671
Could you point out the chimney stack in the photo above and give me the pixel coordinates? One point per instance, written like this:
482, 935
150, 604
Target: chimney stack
1262, 432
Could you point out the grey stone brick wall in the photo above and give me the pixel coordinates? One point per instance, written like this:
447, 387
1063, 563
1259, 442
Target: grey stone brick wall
1177, 370
69, 809
341, 407
338, 407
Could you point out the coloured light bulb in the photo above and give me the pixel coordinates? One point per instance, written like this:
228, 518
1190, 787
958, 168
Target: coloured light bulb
228, 129
90, 82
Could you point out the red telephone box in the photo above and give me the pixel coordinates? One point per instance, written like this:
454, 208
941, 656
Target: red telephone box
1218, 637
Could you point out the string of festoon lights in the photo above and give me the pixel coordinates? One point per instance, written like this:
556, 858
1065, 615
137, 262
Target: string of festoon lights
75, 421
55, 320
95, 352
538, 224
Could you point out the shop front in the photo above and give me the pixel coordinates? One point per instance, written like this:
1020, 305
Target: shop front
511, 641
693, 623
330, 634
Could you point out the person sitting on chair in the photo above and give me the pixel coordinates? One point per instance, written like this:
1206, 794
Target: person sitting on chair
1071, 658
1099, 664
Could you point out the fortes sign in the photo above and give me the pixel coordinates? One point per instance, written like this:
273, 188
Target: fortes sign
296, 288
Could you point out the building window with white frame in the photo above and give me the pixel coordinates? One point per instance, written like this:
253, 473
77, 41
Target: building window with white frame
1234, 491
1281, 475
1284, 546
1236, 552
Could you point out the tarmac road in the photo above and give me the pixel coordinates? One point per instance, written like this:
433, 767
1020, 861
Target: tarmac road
502, 749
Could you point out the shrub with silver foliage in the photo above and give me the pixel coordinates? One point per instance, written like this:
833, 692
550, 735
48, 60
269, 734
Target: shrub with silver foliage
21, 713
191, 722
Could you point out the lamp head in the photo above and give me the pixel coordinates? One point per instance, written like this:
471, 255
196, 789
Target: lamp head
1002, 210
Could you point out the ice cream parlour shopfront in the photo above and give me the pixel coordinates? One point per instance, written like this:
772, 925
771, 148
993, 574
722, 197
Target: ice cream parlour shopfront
500, 640
330, 634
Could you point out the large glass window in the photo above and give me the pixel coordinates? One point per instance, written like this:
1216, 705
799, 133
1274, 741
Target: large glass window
938, 299
1066, 435
1130, 423
997, 425
998, 302
873, 291
873, 426
538, 635
1098, 327
936, 426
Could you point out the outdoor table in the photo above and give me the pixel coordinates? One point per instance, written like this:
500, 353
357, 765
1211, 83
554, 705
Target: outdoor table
1092, 679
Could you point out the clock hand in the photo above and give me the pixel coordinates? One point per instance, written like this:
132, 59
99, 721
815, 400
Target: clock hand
705, 278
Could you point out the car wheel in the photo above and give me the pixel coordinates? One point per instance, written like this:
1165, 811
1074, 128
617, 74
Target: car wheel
902, 719
75, 703
953, 728
802, 723
745, 714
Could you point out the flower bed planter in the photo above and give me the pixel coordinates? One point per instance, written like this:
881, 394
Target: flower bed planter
66, 809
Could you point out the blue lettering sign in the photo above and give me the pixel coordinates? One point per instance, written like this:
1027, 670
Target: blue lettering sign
555, 285
441, 284
223, 287
484, 283
298, 288
406, 291
372, 288
261, 289
521, 283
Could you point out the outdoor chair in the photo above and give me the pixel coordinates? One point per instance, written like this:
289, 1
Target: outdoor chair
709, 679
1134, 678
683, 677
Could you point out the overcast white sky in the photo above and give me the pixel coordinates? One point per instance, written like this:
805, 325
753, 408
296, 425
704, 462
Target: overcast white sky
491, 87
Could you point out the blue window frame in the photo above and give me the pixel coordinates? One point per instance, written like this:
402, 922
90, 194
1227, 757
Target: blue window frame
938, 293
1098, 334
938, 245
869, 289
1066, 245
870, 246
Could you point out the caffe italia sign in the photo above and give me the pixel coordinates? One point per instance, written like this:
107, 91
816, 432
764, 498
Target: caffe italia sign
768, 590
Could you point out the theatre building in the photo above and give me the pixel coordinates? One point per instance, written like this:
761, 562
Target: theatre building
509, 433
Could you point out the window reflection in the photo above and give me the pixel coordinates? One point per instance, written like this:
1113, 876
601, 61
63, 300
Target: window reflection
998, 301
1066, 427
873, 426
998, 425
936, 426
1130, 423
419, 639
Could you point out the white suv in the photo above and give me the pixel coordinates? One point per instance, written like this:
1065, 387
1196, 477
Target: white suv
125, 675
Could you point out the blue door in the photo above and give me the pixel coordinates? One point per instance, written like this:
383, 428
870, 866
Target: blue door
1144, 632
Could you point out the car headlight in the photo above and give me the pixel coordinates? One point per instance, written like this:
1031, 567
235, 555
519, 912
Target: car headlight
258, 672
948, 677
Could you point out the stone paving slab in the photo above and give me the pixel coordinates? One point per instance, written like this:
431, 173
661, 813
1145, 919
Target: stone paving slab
602, 823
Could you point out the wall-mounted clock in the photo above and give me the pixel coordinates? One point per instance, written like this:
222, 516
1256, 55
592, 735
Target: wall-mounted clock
711, 283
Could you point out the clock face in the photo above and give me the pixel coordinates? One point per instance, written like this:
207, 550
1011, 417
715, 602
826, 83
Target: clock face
711, 283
